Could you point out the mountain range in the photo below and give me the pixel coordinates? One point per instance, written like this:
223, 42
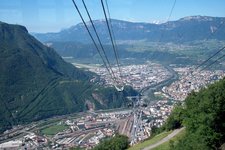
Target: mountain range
187, 41
183, 30
36, 83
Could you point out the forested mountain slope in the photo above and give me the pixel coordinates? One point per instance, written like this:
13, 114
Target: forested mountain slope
35, 82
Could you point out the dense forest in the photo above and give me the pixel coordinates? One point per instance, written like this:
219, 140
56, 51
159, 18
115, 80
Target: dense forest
203, 116
118, 142
36, 83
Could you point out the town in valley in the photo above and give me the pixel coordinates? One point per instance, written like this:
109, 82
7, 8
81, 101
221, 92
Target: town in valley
136, 121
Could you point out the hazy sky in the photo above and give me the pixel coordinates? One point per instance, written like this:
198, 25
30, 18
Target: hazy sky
54, 15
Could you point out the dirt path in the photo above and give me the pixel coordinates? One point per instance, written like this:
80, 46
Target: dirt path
171, 135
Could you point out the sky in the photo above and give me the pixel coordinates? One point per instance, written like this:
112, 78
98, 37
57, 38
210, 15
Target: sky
54, 15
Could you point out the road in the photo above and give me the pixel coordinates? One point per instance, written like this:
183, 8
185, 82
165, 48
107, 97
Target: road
170, 136
145, 93
148, 91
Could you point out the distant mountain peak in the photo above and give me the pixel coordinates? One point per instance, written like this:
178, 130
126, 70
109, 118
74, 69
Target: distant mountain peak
22, 28
157, 22
191, 28
36, 83
198, 17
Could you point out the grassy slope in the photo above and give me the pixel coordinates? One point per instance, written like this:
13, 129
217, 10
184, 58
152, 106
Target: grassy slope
166, 145
151, 141
155, 139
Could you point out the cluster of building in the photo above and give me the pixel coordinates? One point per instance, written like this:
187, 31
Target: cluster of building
90, 128
137, 76
87, 131
29, 141
148, 117
158, 112
191, 81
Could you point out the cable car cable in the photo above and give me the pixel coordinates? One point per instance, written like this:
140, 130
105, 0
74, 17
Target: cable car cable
92, 38
113, 35
110, 34
221, 49
89, 16
213, 62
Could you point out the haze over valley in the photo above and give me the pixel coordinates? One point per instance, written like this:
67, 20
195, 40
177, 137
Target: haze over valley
102, 83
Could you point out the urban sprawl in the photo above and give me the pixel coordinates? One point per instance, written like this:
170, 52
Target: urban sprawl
87, 129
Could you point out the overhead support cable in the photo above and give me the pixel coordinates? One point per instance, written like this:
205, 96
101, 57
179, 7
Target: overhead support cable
113, 35
110, 34
171, 11
221, 49
213, 62
170, 14
96, 33
112, 76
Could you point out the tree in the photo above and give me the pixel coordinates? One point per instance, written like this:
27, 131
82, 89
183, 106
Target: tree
204, 118
176, 118
119, 142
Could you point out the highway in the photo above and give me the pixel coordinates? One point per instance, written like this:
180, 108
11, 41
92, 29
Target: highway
144, 93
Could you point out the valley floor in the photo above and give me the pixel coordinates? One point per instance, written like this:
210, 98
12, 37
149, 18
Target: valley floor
87, 129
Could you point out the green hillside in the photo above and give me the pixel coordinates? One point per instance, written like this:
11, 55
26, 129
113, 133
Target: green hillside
150, 141
203, 115
35, 82
167, 145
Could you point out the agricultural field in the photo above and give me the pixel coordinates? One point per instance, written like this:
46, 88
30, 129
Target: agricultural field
54, 129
